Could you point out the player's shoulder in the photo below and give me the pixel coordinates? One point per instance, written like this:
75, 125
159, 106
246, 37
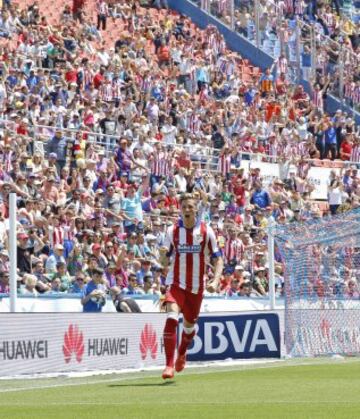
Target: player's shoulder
208, 227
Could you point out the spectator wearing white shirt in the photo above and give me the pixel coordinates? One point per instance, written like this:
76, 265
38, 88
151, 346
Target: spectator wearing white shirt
169, 132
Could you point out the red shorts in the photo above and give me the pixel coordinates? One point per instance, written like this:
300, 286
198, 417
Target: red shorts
188, 302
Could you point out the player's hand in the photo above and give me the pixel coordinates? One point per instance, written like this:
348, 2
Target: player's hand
212, 286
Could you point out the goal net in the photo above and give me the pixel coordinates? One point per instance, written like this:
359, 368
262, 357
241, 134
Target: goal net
322, 273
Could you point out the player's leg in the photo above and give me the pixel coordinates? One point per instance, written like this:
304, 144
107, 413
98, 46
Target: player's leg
191, 312
186, 339
169, 337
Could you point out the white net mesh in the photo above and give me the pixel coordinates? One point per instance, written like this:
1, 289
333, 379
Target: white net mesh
322, 264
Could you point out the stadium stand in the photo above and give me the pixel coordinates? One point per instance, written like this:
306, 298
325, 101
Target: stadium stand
108, 111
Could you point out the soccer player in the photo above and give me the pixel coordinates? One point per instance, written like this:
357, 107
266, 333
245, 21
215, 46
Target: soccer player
189, 244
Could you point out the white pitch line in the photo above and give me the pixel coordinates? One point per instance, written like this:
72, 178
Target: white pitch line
190, 403
194, 370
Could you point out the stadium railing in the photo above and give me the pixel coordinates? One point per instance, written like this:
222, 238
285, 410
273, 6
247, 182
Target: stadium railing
41, 133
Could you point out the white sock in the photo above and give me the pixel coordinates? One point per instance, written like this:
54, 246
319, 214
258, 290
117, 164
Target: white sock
189, 330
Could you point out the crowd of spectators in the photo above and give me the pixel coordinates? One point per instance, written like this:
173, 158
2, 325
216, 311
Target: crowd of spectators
334, 27
98, 140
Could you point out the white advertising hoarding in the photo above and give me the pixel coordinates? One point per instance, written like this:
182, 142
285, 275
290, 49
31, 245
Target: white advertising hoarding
39, 343
63, 343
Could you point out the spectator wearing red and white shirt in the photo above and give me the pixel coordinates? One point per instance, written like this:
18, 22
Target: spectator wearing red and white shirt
234, 248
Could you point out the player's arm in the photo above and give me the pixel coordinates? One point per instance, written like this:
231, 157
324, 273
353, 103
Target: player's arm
167, 249
163, 258
217, 261
218, 264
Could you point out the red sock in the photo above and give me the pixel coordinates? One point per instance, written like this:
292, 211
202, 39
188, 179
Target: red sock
186, 339
170, 341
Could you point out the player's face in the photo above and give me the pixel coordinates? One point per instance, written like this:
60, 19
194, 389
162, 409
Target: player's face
189, 209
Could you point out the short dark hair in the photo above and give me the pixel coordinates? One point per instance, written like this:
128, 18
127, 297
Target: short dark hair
60, 265
98, 271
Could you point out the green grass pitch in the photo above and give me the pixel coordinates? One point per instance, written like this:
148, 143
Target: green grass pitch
286, 389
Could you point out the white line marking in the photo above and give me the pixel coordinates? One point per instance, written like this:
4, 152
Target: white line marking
172, 403
194, 370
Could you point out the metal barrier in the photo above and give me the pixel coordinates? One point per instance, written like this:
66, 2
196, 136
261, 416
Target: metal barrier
39, 134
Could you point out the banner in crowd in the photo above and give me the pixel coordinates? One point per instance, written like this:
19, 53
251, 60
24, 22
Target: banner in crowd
52, 304
269, 171
239, 336
317, 176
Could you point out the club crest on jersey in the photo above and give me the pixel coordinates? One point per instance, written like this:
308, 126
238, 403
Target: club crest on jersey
189, 248
198, 238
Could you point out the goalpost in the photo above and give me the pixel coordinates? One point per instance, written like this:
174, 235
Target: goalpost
322, 277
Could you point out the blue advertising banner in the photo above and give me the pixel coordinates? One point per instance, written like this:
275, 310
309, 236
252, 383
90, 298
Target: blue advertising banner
219, 337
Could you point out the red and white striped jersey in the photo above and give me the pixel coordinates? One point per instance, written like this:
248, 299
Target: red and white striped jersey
223, 6
317, 99
289, 6
68, 232
356, 95
355, 154
299, 7
102, 8
56, 236
160, 165
116, 89
224, 164
330, 21
88, 76
106, 92
190, 250
233, 250
282, 65
348, 89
